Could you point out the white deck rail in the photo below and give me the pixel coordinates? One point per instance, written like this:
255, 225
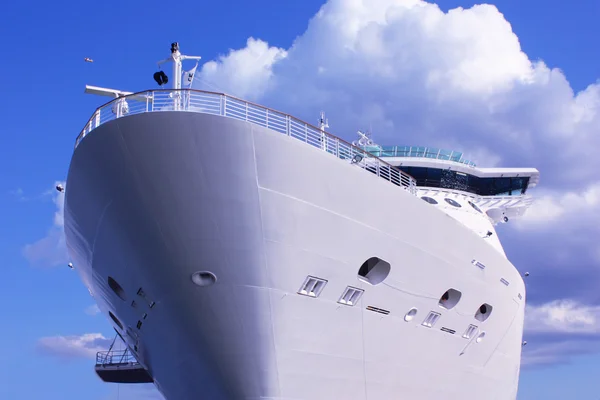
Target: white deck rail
221, 104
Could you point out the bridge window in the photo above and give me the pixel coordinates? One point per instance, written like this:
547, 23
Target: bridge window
453, 202
435, 177
429, 200
475, 206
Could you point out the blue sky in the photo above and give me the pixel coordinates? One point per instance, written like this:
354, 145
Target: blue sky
43, 108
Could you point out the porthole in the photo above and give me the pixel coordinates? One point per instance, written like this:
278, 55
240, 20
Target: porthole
480, 337
374, 271
410, 314
449, 299
483, 312
475, 206
452, 202
114, 285
204, 278
115, 320
429, 200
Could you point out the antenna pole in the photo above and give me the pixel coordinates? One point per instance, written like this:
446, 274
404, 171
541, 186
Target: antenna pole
177, 58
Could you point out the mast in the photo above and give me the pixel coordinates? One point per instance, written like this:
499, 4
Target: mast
323, 123
176, 57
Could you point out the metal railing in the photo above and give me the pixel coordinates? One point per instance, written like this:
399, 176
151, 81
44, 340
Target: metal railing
115, 357
433, 153
227, 106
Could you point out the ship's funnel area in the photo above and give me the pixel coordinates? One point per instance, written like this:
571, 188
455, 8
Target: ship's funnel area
374, 271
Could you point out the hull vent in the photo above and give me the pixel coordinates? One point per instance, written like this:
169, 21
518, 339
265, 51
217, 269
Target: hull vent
378, 310
351, 296
478, 264
431, 319
312, 287
504, 281
470, 332
448, 330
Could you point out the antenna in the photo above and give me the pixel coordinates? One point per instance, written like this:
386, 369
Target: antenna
161, 78
323, 122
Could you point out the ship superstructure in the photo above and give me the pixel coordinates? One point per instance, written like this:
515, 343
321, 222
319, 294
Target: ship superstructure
242, 253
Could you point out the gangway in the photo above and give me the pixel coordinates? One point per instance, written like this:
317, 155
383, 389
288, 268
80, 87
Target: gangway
120, 366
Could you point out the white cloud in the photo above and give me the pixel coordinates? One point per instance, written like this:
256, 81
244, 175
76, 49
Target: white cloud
456, 80
246, 71
51, 250
422, 76
562, 316
565, 206
92, 310
69, 347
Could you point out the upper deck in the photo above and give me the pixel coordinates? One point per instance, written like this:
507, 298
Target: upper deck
199, 101
432, 153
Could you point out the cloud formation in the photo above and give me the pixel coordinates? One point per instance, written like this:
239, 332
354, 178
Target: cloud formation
71, 347
457, 80
50, 250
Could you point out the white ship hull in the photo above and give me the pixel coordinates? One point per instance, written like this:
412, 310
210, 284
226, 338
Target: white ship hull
153, 198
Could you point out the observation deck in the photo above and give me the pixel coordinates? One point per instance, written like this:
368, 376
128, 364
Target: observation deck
120, 366
199, 101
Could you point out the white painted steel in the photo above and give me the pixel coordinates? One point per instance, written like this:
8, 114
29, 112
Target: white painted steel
153, 197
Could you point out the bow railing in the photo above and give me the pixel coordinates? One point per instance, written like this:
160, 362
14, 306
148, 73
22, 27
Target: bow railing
199, 101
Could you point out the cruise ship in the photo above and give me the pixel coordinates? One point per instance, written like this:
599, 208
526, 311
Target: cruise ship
241, 253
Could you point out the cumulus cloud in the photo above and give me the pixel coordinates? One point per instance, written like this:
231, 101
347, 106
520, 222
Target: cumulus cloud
247, 71
50, 250
70, 347
457, 80
92, 310
563, 316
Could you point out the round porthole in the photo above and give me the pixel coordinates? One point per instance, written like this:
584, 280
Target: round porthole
480, 337
410, 314
475, 207
429, 200
452, 202
204, 278
115, 320
114, 285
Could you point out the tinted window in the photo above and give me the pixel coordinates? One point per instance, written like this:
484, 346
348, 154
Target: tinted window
429, 200
475, 207
435, 177
452, 202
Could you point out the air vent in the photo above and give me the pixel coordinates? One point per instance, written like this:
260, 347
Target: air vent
478, 264
431, 319
448, 330
350, 296
312, 286
470, 332
378, 310
504, 281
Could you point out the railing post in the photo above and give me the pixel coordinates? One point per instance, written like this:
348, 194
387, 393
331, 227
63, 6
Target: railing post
246, 111
267, 114
288, 125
